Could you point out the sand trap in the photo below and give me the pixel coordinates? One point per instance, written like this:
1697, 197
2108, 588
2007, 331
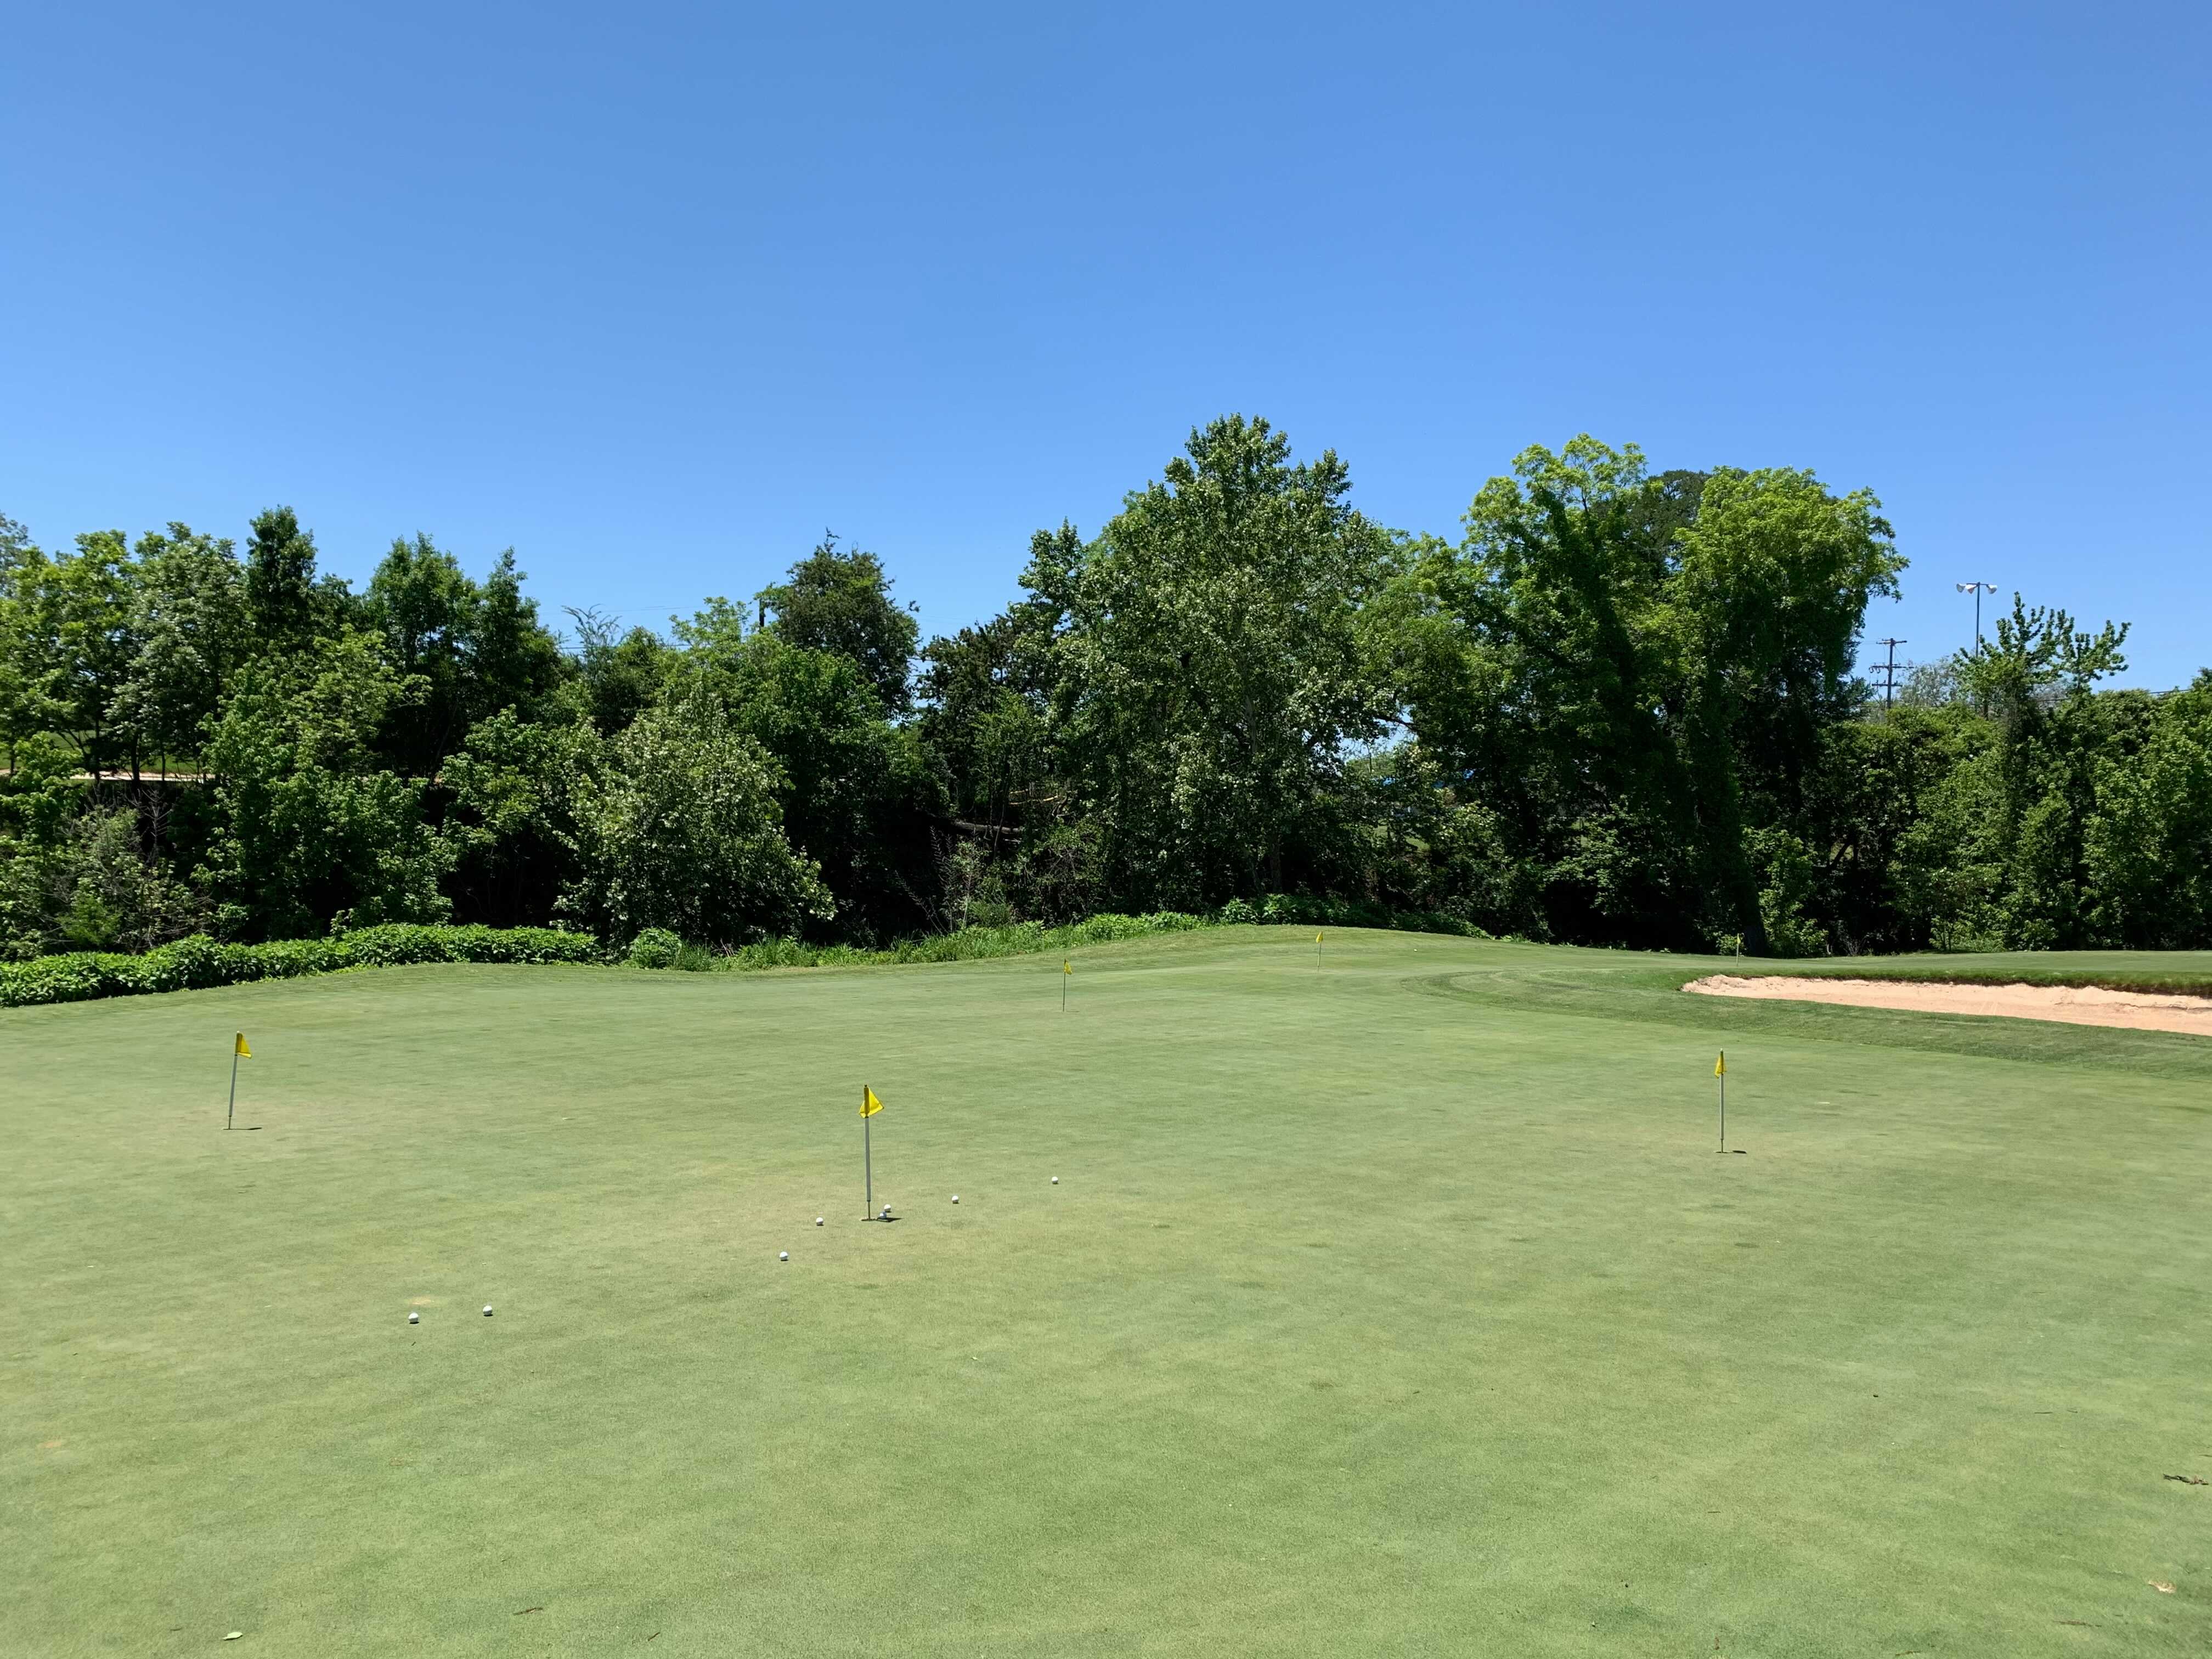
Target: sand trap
2071, 1005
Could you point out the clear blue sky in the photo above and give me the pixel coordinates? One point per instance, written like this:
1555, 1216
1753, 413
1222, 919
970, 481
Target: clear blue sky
655, 293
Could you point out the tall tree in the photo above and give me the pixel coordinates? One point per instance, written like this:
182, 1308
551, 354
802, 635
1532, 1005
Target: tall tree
281, 591
1629, 668
191, 630
840, 601
312, 829
1210, 680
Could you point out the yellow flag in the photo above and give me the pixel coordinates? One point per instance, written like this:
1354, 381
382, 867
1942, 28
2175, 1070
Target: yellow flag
240, 1048
1317, 938
1720, 1065
1066, 967
869, 1104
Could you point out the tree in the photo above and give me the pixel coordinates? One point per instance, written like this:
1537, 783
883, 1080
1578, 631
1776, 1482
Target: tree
513, 660
680, 830
856, 796
282, 595
620, 674
21, 565
311, 831
2011, 840
512, 823
2147, 848
1633, 672
840, 602
73, 644
1209, 678
189, 623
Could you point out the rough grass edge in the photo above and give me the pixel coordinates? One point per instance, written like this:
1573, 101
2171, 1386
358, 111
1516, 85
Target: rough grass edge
200, 962
2152, 982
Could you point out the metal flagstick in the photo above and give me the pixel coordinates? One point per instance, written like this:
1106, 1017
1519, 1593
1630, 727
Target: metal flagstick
867, 1165
1067, 973
231, 1110
1720, 1075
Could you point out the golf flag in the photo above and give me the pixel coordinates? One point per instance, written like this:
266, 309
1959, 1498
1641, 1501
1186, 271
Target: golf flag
1066, 967
240, 1048
869, 1104
1720, 1065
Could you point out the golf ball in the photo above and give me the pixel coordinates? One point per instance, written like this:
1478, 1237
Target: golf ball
414, 1319
817, 1220
1055, 1181
783, 1256
487, 1310
955, 1198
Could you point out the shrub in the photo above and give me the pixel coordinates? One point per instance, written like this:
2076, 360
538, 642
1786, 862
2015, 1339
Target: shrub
197, 962
655, 947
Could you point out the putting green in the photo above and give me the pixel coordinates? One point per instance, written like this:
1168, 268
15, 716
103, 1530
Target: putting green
1403, 1307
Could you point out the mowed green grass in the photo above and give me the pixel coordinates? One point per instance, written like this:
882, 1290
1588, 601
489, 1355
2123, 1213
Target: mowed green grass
1402, 1307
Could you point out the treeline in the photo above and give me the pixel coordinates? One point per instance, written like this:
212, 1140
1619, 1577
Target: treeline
1617, 708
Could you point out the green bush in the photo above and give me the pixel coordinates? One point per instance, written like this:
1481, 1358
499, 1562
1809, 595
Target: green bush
199, 962
655, 947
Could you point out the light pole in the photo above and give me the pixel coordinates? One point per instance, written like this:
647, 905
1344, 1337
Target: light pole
1977, 589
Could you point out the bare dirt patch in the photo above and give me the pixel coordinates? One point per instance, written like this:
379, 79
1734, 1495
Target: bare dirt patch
2069, 1005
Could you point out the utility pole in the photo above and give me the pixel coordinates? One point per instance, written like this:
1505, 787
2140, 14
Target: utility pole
1889, 670
1977, 589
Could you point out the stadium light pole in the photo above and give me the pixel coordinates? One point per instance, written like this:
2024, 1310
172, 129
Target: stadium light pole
1977, 589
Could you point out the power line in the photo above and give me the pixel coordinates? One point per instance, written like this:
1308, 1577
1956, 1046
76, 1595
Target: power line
1889, 670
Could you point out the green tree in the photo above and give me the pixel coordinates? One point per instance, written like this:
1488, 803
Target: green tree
22, 702
283, 599
1210, 680
74, 644
681, 830
2147, 847
855, 795
191, 628
2014, 842
1632, 673
620, 674
840, 602
311, 830
513, 660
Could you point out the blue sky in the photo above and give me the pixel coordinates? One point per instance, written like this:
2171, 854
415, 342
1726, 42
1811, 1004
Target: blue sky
654, 294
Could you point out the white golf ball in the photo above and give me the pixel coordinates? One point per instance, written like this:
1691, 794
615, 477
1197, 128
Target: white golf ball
783, 1256
817, 1220
1055, 1181
955, 1198
487, 1310
414, 1319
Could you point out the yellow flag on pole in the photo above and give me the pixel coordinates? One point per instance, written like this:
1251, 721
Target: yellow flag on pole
240, 1048
869, 1104
1066, 967
1720, 1065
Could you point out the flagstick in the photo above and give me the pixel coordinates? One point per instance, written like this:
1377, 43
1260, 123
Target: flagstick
868, 1163
1067, 973
231, 1110
1722, 1080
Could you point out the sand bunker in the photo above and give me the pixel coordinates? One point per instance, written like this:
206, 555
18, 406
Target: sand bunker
2072, 1005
